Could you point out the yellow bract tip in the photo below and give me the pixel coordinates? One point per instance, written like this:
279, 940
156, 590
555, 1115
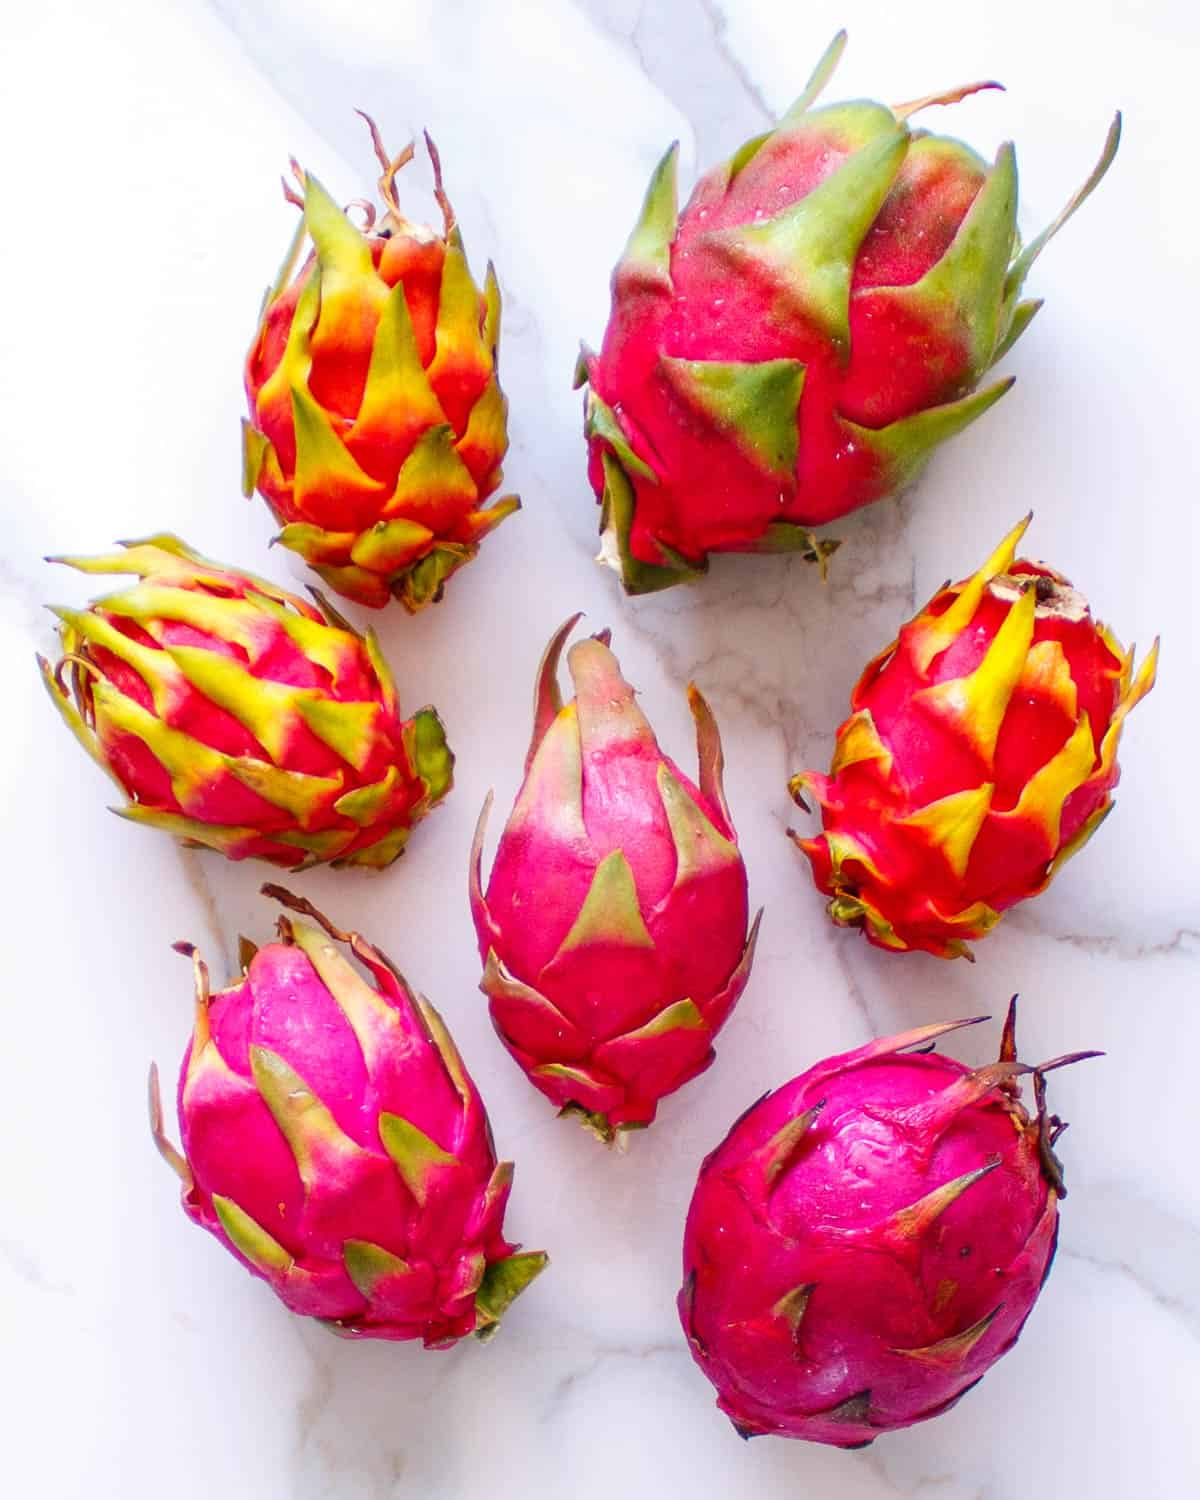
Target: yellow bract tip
936, 633
975, 705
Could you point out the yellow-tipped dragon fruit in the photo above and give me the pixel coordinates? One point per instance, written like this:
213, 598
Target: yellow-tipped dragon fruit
980, 754
242, 718
377, 423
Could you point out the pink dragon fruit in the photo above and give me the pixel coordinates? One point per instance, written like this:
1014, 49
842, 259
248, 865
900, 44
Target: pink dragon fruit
613, 931
868, 1240
335, 1143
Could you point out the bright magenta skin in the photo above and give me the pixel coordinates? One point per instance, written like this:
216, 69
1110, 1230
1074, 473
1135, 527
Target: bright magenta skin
235, 1150
832, 1221
608, 1021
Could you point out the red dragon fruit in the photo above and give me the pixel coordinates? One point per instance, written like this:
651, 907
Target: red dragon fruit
869, 1239
613, 931
240, 718
335, 1143
796, 343
980, 755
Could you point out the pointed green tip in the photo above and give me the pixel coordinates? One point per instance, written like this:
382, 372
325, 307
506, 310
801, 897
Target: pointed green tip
820, 76
1021, 266
646, 261
417, 1158
503, 1282
616, 521
901, 449
582, 361
432, 757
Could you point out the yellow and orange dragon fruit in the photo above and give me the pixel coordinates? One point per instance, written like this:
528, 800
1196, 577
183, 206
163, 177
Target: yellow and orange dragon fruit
869, 1239
242, 718
613, 931
335, 1143
981, 754
798, 340
377, 423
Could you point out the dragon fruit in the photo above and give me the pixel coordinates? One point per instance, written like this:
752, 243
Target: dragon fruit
377, 423
241, 718
869, 1239
334, 1142
613, 932
797, 342
981, 754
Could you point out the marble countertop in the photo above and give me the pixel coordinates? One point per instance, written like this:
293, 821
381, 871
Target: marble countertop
144, 142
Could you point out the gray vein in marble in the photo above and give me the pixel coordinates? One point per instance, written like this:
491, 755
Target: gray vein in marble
681, 51
344, 1408
843, 955
22, 591
1156, 1248
24, 1263
23, 604
924, 1485
1183, 943
636, 40
716, 20
375, 1464
312, 1404
1175, 1307
565, 1386
197, 881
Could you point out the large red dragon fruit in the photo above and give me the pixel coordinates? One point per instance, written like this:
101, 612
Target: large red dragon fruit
980, 755
377, 424
797, 342
869, 1239
239, 717
335, 1143
613, 931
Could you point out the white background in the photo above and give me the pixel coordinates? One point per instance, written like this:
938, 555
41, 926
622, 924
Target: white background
142, 216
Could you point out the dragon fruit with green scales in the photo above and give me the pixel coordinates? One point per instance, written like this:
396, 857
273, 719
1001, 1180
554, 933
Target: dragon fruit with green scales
796, 343
334, 1142
613, 928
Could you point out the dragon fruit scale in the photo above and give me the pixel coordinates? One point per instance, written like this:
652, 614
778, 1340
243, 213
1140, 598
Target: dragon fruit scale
981, 753
334, 1142
796, 343
869, 1239
613, 931
377, 423
242, 718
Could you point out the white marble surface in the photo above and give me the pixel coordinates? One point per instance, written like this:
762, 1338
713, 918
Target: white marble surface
143, 142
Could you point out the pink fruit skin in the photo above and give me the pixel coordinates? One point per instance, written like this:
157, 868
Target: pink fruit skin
323, 1186
575, 1014
818, 1305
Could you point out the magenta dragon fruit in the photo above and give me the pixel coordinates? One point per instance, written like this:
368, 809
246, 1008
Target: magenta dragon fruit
335, 1143
613, 931
869, 1239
